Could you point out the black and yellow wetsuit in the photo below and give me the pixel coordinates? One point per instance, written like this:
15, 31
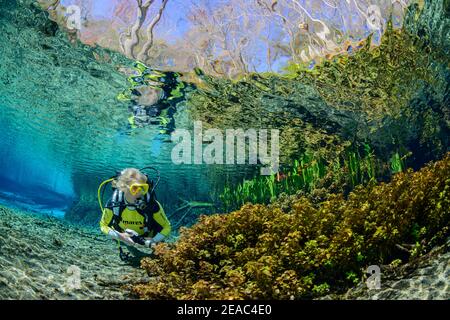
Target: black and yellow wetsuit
132, 219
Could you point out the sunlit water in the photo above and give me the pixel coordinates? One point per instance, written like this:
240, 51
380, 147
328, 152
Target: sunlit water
43, 150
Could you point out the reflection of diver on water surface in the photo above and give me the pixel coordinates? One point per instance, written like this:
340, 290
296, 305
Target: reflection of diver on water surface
153, 96
157, 114
133, 215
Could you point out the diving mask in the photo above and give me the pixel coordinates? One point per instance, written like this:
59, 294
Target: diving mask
136, 188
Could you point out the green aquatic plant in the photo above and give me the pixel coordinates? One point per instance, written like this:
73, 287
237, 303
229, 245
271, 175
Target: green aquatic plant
352, 276
271, 184
269, 252
321, 289
364, 167
263, 189
369, 162
353, 167
396, 163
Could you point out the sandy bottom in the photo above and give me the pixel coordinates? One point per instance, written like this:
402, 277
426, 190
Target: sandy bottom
46, 258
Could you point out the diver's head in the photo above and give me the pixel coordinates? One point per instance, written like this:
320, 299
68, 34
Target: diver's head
132, 183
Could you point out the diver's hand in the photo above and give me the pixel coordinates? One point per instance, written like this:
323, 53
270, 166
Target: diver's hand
150, 243
125, 237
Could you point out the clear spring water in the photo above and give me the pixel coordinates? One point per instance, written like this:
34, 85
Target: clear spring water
63, 130
40, 158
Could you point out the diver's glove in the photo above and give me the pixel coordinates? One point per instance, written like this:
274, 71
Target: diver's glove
138, 239
158, 238
118, 236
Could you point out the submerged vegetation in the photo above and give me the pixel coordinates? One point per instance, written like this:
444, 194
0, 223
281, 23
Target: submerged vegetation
302, 250
310, 174
341, 215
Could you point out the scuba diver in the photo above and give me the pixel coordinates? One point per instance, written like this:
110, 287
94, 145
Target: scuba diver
133, 215
165, 89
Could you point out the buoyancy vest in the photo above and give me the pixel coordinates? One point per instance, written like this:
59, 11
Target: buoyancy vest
150, 206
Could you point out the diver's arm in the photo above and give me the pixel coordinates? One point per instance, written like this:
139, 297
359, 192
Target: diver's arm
158, 238
161, 219
104, 222
113, 234
106, 229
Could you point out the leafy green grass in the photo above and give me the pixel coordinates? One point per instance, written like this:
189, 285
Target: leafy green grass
306, 173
